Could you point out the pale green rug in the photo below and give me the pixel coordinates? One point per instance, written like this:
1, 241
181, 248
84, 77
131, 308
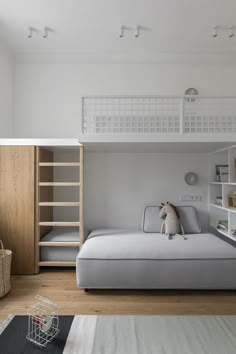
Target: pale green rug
152, 335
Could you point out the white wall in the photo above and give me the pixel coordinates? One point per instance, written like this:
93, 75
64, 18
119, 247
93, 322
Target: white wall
119, 185
6, 86
47, 103
47, 97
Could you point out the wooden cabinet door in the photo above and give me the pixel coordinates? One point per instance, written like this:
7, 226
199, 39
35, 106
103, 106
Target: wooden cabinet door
17, 205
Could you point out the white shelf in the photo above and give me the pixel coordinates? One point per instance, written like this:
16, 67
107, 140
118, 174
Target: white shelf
41, 142
225, 233
233, 210
217, 212
226, 183
219, 207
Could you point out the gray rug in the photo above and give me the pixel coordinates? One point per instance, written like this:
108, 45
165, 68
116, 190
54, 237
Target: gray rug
130, 335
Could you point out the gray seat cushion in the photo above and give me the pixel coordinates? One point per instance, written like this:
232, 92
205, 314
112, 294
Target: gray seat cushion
125, 259
188, 218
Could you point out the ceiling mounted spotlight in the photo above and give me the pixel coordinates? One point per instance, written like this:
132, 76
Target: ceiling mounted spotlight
215, 32
45, 32
122, 31
137, 31
231, 32
30, 32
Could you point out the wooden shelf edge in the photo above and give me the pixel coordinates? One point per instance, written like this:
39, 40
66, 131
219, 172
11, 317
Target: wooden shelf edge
59, 164
56, 264
59, 223
59, 204
59, 184
59, 244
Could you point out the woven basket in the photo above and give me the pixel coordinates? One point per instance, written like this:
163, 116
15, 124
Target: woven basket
5, 270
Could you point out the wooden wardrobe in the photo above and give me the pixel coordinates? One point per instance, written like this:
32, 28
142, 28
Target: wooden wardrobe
17, 205
27, 202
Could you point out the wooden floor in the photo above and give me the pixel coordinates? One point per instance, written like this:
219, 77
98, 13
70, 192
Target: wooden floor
60, 286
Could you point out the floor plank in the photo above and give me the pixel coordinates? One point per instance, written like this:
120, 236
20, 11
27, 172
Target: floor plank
60, 286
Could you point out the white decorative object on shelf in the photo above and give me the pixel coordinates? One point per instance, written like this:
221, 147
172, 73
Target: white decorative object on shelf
219, 201
43, 321
222, 173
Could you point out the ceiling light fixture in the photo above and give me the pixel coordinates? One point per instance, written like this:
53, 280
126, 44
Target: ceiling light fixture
137, 31
215, 32
122, 31
231, 32
30, 31
45, 32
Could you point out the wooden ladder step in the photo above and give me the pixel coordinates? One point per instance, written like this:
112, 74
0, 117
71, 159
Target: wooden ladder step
59, 204
59, 164
60, 244
59, 184
59, 223
57, 264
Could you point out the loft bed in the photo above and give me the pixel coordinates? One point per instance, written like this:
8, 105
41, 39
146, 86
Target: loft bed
163, 124
146, 259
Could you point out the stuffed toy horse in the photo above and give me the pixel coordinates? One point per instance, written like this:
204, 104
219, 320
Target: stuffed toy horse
171, 225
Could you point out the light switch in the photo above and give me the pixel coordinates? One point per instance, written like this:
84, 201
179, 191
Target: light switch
191, 197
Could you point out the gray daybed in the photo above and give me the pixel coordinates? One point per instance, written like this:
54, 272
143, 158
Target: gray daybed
121, 259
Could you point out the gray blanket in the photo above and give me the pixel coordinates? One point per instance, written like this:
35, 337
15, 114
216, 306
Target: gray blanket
123, 244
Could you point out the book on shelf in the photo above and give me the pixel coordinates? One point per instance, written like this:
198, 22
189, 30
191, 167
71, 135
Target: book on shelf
219, 201
232, 200
222, 173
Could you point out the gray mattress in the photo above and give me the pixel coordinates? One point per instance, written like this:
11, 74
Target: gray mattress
64, 254
138, 260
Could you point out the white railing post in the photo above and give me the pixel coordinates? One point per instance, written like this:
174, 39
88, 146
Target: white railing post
82, 117
181, 115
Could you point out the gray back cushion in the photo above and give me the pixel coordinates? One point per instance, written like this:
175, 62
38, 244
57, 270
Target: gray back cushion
188, 218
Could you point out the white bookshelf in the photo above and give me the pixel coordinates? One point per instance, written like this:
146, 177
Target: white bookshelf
225, 211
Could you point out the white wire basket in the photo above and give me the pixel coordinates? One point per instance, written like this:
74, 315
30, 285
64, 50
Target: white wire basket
43, 321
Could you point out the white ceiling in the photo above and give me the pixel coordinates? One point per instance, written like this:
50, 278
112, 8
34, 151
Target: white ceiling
91, 27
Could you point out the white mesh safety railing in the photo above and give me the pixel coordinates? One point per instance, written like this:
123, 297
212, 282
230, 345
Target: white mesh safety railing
157, 115
209, 115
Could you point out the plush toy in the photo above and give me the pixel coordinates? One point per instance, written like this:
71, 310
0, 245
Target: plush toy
171, 225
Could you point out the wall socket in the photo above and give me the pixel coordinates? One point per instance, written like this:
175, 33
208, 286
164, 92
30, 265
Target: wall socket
191, 197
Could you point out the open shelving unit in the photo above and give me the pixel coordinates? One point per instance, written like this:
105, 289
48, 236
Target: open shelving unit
56, 180
222, 210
